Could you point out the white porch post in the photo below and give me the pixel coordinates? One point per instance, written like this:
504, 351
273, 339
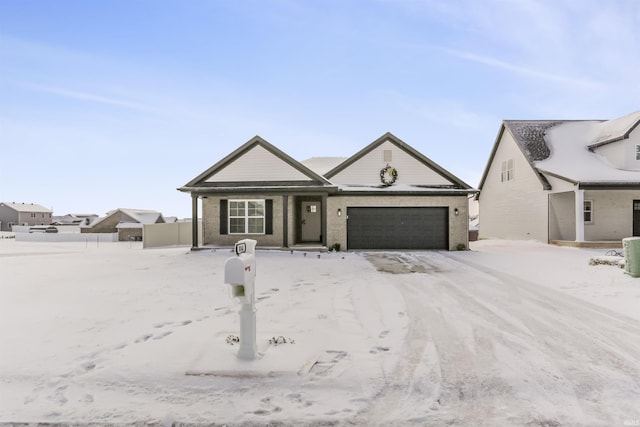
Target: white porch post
579, 196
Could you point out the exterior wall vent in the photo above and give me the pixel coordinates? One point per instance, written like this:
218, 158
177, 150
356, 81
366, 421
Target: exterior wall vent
387, 156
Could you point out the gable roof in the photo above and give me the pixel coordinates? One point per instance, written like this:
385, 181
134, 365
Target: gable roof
389, 137
26, 207
303, 175
141, 216
615, 130
529, 137
564, 149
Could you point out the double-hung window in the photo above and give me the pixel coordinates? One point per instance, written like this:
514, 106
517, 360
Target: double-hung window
506, 172
246, 216
588, 211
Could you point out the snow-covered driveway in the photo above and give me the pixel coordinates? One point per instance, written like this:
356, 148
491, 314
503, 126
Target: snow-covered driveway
485, 347
500, 335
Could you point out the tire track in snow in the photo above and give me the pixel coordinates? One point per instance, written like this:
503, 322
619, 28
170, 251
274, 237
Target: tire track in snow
484, 347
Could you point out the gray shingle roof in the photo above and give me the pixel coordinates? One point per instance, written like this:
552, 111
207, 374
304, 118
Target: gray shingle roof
529, 134
566, 149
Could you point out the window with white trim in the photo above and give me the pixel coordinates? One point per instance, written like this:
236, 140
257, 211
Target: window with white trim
588, 211
637, 151
506, 172
246, 216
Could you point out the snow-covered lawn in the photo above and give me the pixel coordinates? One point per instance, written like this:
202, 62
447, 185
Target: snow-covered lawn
509, 333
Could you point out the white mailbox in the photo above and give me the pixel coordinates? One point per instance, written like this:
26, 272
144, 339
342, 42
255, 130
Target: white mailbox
240, 271
240, 274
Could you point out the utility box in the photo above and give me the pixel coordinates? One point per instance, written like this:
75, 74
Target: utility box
631, 246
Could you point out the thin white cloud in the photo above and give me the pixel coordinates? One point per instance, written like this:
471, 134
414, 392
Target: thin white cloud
449, 112
526, 71
84, 96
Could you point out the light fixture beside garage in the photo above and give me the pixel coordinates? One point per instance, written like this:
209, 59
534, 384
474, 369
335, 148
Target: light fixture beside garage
456, 212
339, 212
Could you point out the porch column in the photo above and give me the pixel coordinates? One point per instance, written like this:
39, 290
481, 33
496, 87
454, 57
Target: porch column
324, 220
194, 221
285, 221
579, 197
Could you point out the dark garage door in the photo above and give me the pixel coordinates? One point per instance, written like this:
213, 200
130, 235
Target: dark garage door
397, 228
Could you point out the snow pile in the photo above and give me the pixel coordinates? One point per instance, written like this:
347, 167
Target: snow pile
509, 333
607, 260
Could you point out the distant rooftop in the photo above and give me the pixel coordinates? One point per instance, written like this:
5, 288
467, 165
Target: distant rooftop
322, 165
26, 207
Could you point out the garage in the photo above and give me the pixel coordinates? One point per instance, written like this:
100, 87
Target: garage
398, 228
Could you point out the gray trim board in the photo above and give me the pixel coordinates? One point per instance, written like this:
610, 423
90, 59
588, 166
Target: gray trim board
609, 185
260, 190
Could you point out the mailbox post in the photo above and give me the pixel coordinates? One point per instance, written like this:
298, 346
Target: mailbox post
240, 274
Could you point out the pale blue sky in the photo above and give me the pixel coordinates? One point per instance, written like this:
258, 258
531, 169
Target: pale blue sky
107, 104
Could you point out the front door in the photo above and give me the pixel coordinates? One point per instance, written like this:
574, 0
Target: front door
636, 217
310, 221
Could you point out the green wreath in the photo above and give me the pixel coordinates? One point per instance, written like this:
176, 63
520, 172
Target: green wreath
388, 175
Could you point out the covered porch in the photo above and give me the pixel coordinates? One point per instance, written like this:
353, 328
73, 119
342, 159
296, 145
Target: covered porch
292, 221
593, 218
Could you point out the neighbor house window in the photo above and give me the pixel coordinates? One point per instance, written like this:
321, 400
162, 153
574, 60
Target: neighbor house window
246, 216
588, 211
506, 173
637, 152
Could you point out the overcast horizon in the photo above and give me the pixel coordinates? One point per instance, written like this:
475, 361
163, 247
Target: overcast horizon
115, 104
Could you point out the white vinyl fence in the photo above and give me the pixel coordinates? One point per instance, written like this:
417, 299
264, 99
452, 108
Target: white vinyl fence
65, 237
169, 234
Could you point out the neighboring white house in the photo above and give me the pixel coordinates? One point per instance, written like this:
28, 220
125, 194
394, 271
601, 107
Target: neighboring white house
563, 181
386, 196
